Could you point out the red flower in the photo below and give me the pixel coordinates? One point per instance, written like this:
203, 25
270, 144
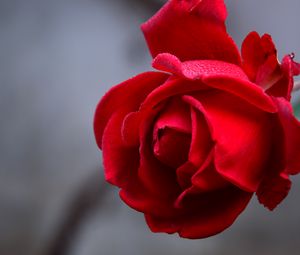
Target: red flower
190, 145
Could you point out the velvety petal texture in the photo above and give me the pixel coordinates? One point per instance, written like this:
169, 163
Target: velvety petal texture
215, 74
190, 144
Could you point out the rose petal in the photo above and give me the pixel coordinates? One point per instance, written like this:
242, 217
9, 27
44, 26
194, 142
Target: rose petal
243, 89
120, 162
151, 168
260, 60
155, 187
196, 69
269, 73
200, 146
291, 129
138, 198
175, 115
130, 129
205, 179
283, 87
172, 133
125, 97
204, 215
192, 189
191, 30
273, 190
253, 54
172, 87
201, 139
215, 74
184, 174
171, 147
209, 180
242, 135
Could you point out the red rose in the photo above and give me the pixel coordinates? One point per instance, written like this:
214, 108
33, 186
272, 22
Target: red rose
190, 145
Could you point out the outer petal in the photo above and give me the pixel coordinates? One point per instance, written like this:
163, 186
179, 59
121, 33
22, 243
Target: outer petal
275, 184
291, 129
260, 60
120, 162
284, 87
140, 199
273, 190
205, 215
191, 29
125, 97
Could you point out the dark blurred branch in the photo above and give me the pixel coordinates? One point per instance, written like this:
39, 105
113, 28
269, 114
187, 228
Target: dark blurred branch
85, 201
149, 5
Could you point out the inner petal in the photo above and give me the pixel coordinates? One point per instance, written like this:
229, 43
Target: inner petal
172, 133
209, 180
171, 147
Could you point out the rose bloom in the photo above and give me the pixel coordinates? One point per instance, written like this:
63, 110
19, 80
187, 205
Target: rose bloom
190, 144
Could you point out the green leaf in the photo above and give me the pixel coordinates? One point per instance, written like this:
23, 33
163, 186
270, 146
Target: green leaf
296, 107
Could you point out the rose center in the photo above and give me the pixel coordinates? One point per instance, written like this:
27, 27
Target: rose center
172, 133
171, 146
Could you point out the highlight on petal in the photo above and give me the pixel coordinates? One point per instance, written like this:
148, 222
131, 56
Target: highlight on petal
191, 29
216, 74
125, 97
196, 69
130, 129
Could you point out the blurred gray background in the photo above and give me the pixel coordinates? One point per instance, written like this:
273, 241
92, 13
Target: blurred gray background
57, 58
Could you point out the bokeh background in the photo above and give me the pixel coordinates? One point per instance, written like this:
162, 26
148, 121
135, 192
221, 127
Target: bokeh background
57, 58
